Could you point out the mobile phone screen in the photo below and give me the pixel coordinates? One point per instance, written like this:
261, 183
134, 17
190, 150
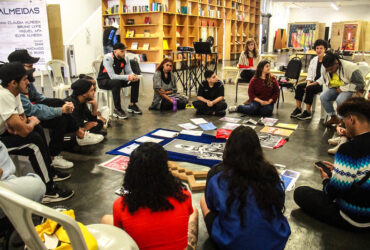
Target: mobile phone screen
321, 165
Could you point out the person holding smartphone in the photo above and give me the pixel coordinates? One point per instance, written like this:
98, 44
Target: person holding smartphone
344, 201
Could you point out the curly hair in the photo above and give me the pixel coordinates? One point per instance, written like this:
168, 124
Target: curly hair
148, 181
255, 49
320, 42
259, 70
357, 106
247, 169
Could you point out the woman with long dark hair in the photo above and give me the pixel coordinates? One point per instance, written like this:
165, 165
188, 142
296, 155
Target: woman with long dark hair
165, 89
156, 208
248, 60
263, 92
244, 203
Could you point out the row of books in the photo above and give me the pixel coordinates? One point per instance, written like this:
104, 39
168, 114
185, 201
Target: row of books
145, 8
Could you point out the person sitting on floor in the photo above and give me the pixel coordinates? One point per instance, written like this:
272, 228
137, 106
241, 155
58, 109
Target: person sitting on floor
210, 97
29, 186
345, 200
343, 79
23, 135
263, 92
53, 113
110, 77
84, 93
341, 137
248, 60
154, 203
244, 198
165, 89
311, 87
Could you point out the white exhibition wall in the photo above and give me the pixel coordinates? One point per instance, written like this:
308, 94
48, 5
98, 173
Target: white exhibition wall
82, 28
279, 19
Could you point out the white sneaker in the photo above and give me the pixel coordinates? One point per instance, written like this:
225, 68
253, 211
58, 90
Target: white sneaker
89, 139
233, 109
59, 162
334, 150
334, 141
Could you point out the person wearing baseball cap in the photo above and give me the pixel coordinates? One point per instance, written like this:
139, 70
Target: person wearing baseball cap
110, 78
23, 135
83, 93
53, 113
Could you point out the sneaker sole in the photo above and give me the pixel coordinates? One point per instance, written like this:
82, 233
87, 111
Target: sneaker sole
306, 118
50, 199
294, 116
62, 167
119, 117
61, 179
135, 112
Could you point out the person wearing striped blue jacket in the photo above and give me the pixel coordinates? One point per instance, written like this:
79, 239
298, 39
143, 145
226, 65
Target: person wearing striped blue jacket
345, 199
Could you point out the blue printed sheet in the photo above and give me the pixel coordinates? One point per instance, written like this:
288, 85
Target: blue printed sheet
174, 156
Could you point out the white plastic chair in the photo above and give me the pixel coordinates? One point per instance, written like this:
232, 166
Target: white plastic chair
57, 78
19, 211
102, 93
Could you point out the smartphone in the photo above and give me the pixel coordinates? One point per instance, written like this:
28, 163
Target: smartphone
320, 164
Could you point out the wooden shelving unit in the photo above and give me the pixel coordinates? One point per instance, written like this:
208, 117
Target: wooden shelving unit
242, 20
182, 22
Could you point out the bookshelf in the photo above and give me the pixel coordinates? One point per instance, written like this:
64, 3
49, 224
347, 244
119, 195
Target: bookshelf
174, 23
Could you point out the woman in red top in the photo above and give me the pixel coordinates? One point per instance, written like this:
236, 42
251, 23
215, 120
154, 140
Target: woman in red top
248, 60
263, 92
156, 208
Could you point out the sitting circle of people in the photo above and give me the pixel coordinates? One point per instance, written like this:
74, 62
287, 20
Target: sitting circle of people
243, 205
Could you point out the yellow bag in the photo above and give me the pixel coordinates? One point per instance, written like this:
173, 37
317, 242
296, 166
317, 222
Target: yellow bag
50, 227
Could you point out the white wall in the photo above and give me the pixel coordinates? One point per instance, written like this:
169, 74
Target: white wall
279, 20
329, 15
87, 41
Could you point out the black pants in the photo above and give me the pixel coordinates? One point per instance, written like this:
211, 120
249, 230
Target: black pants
315, 203
311, 91
203, 109
247, 74
58, 126
167, 105
116, 85
98, 127
34, 146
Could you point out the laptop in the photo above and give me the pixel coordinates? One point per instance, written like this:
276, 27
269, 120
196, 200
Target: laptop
202, 47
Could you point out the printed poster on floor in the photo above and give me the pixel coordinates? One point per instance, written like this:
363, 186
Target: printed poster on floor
24, 25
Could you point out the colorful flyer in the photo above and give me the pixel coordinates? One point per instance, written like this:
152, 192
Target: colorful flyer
277, 131
118, 163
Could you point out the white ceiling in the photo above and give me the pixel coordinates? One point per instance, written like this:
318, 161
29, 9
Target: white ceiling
324, 3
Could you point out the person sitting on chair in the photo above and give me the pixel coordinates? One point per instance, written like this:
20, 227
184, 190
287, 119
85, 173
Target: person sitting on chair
110, 77
343, 79
154, 203
210, 97
344, 201
248, 60
311, 87
263, 92
165, 89
244, 199
84, 93
53, 113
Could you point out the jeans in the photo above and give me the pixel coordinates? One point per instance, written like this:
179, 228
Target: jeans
254, 108
330, 95
30, 187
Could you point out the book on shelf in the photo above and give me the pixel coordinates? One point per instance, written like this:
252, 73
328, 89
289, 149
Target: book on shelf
165, 44
147, 20
178, 33
146, 46
134, 45
143, 58
130, 33
184, 10
156, 7
146, 33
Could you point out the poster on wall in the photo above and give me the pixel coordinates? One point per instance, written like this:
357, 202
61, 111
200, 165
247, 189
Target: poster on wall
349, 35
24, 25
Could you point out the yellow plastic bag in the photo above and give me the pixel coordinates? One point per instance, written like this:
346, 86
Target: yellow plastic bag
50, 227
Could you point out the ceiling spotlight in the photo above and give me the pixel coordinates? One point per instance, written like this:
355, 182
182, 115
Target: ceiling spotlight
334, 6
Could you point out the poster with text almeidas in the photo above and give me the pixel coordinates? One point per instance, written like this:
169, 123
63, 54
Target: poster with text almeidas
24, 25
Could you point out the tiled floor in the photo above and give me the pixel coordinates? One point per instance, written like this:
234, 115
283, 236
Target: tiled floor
95, 186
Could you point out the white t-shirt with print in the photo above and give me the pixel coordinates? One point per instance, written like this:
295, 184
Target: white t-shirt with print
9, 105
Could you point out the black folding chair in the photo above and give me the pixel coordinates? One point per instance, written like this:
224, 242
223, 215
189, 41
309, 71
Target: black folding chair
293, 71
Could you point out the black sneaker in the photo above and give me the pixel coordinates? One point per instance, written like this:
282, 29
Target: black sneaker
305, 116
120, 114
59, 176
134, 109
55, 195
296, 113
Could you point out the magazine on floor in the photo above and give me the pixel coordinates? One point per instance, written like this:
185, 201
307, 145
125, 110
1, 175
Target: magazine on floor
118, 163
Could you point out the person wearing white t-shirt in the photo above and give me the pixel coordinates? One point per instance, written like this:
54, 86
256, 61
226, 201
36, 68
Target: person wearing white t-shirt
24, 136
